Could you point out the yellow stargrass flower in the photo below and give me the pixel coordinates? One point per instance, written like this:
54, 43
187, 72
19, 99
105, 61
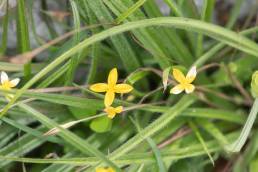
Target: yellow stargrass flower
111, 111
111, 87
6, 84
184, 82
105, 170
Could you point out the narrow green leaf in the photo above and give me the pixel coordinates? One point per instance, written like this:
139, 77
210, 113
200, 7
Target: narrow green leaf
133, 8
29, 130
205, 16
23, 34
213, 131
199, 137
214, 31
132, 158
153, 146
234, 13
237, 145
154, 127
71, 138
75, 59
5, 29
209, 54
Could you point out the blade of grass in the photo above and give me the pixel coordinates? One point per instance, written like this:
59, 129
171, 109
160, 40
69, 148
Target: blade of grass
199, 137
120, 42
55, 75
71, 138
150, 38
96, 48
48, 20
207, 10
23, 35
130, 10
132, 158
5, 30
151, 129
29, 130
39, 40
153, 146
211, 30
75, 59
214, 131
174, 7
205, 57
248, 155
237, 145
20, 146
234, 13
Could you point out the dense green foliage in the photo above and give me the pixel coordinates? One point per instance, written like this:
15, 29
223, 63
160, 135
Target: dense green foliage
211, 129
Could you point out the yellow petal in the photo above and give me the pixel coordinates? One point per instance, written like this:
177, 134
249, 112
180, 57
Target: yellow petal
178, 75
105, 169
111, 112
109, 98
191, 75
100, 170
123, 88
189, 88
100, 87
177, 89
111, 115
119, 109
112, 77
110, 169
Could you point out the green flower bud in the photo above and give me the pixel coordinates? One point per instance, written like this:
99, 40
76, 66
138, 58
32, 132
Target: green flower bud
254, 84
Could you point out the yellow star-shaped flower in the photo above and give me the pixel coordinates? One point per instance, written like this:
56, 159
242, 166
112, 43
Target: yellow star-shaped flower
111, 87
6, 84
105, 170
111, 111
184, 82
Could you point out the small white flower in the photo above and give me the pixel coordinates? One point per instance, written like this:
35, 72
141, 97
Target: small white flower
6, 84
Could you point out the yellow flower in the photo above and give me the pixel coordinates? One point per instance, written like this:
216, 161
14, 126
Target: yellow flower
184, 82
111, 111
105, 170
111, 87
6, 84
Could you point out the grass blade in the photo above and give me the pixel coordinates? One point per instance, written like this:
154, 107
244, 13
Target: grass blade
199, 137
211, 30
23, 35
133, 8
237, 145
71, 138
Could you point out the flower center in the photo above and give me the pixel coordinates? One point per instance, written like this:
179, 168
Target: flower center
7, 85
111, 87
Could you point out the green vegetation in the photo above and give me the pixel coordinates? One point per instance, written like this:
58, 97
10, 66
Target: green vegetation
58, 119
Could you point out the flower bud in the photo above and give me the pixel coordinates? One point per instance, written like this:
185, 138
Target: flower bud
254, 84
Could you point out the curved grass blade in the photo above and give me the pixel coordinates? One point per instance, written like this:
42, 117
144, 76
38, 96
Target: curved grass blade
153, 146
71, 138
239, 143
133, 8
133, 158
217, 32
199, 137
